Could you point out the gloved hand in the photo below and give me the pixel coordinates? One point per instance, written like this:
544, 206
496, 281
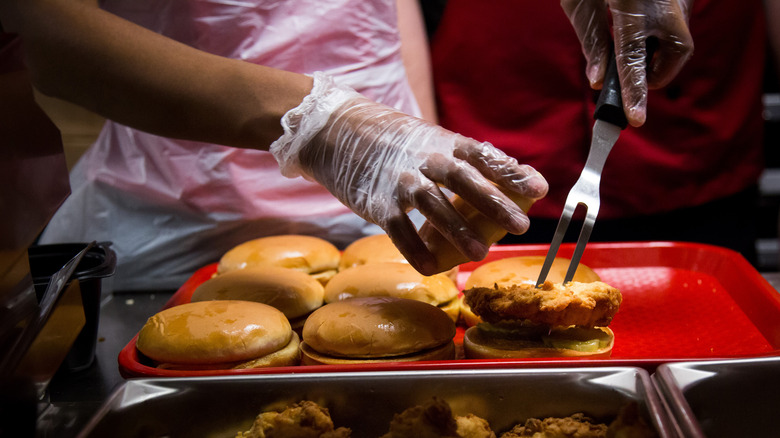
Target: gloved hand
633, 22
382, 163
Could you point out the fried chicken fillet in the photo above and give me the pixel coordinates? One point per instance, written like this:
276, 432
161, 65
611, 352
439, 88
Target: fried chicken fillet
305, 419
628, 424
552, 304
434, 419
575, 426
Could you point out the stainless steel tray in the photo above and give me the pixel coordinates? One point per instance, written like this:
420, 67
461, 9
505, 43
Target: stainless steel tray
726, 398
366, 402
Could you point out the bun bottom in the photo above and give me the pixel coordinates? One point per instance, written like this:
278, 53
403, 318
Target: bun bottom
480, 345
324, 276
289, 355
297, 323
312, 357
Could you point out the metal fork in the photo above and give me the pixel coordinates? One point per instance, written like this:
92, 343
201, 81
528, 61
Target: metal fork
610, 120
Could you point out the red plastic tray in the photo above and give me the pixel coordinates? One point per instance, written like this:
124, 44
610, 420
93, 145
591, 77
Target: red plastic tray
681, 302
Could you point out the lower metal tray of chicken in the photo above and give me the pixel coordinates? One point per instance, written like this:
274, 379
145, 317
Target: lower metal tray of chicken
366, 402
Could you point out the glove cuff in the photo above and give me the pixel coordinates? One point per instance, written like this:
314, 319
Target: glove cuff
303, 122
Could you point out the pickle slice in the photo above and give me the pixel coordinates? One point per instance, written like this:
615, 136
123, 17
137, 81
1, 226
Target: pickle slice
514, 330
570, 344
578, 339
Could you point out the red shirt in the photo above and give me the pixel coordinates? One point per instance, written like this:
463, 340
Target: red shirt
511, 72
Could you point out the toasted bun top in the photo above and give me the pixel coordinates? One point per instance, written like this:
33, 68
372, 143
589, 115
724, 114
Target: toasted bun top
376, 248
377, 327
525, 270
214, 332
293, 292
390, 279
304, 253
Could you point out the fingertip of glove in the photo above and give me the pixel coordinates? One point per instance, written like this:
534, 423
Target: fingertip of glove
595, 77
519, 223
425, 266
636, 116
475, 250
538, 185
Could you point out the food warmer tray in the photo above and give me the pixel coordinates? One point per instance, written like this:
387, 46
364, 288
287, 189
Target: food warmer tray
681, 302
730, 398
220, 406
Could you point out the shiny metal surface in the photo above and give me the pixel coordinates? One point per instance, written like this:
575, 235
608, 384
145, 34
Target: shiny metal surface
722, 398
367, 401
73, 398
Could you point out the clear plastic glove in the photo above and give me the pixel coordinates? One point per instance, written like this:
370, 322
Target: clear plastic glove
633, 22
382, 163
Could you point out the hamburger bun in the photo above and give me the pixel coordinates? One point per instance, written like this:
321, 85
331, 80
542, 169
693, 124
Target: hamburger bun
377, 329
447, 255
525, 269
391, 279
293, 292
312, 255
593, 343
519, 270
377, 248
221, 334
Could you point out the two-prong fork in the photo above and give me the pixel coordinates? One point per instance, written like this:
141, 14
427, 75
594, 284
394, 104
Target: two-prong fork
610, 120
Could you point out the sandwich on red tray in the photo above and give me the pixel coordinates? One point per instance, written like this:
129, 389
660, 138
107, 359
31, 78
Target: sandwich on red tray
219, 335
519, 320
312, 255
293, 292
392, 279
377, 329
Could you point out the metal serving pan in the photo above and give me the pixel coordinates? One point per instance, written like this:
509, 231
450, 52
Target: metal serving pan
219, 406
726, 398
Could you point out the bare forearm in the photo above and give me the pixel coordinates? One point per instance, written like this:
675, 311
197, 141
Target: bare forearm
416, 56
121, 71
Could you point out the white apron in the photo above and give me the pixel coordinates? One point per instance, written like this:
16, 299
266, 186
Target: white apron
173, 206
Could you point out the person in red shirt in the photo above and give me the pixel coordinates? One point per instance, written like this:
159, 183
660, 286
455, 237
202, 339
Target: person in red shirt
516, 78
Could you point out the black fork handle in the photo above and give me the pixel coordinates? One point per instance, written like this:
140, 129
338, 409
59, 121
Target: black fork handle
609, 106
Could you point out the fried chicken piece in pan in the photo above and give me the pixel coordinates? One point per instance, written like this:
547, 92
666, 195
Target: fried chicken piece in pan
575, 426
630, 424
305, 419
552, 304
435, 420
472, 426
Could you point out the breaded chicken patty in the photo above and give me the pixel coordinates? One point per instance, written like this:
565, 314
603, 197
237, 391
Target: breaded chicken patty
553, 304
